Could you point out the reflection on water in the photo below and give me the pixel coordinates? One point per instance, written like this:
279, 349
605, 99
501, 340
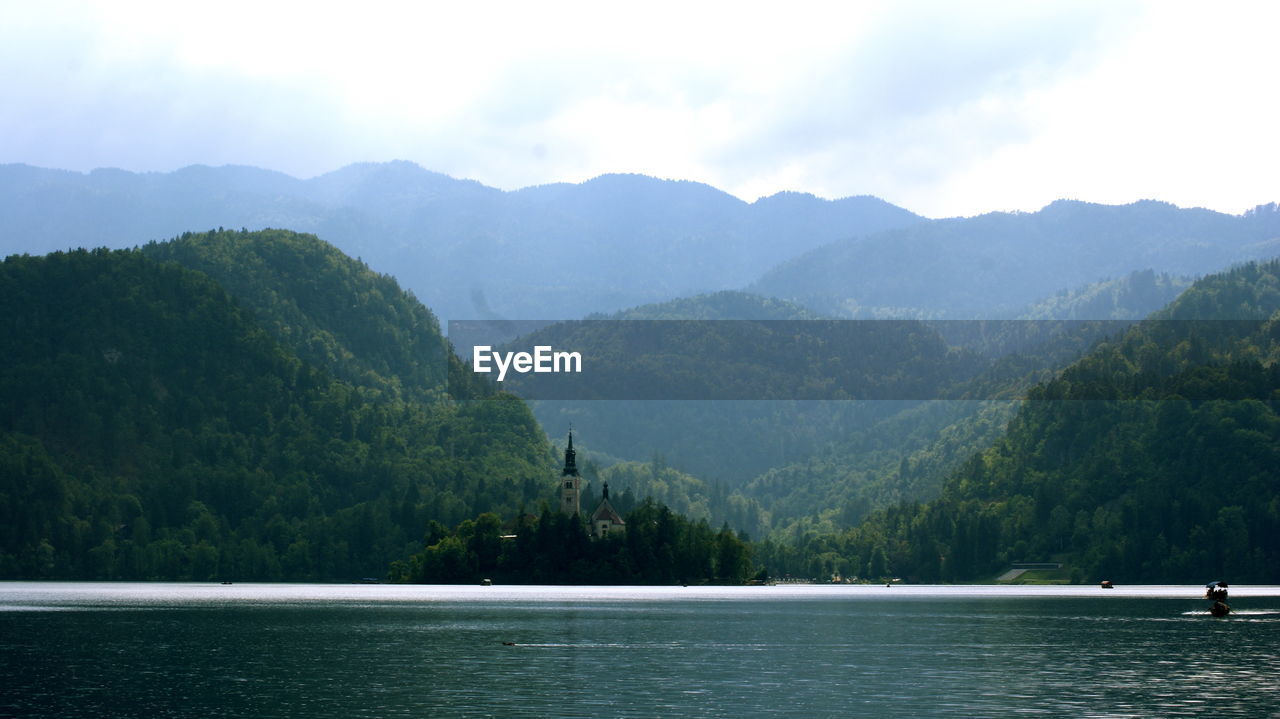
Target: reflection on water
350, 651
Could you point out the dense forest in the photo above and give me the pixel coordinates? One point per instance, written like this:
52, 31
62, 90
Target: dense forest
258, 406
328, 310
821, 464
658, 547
748, 360
158, 427
1153, 459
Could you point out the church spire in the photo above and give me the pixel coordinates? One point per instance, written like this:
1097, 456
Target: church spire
570, 459
570, 482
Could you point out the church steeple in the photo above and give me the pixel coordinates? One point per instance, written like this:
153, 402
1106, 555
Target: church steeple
570, 459
570, 482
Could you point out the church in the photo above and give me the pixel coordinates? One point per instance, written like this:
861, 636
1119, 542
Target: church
605, 520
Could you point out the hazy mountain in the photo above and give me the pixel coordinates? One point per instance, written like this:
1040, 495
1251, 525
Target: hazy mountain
783, 462
467, 251
725, 305
995, 265
1131, 297
755, 349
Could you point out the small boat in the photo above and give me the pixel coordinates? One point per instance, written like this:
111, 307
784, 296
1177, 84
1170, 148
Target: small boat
486, 582
1106, 584
1216, 591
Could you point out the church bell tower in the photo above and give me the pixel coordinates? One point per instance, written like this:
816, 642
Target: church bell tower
570, 482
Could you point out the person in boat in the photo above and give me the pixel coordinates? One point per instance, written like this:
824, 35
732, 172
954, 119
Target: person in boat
1217, 591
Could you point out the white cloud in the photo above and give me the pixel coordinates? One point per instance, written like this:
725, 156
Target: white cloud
1177, 112
944, 108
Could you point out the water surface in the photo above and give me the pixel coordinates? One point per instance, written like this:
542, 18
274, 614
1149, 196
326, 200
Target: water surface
246, 650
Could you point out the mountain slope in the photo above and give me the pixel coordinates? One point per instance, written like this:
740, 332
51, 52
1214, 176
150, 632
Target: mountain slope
154, 430
1174, 478
994, 265
1133, 296
819, 464
789, 355
328, 308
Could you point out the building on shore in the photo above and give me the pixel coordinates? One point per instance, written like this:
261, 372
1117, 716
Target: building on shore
605, 520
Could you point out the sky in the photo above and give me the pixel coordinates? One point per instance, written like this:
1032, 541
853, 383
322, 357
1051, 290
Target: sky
944, 108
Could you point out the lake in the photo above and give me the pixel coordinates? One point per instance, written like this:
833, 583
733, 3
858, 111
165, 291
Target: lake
327, 650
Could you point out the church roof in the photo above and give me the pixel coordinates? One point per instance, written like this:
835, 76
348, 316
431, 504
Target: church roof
605, 510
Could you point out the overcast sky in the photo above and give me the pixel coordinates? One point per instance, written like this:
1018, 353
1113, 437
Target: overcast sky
945, 108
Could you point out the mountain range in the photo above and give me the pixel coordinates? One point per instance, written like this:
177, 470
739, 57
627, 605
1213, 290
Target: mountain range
467, 251
1006, 265
268, 404
563, 251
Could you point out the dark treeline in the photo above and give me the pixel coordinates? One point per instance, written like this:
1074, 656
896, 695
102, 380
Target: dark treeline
658, 547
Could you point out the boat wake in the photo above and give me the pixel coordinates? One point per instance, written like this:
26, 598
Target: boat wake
1236, 613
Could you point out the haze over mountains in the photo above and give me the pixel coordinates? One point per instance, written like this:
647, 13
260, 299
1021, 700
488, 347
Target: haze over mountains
467, 251
562, 251
997, 265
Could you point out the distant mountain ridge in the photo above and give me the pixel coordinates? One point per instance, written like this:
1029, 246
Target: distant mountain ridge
562, 251
556, 251
999, 264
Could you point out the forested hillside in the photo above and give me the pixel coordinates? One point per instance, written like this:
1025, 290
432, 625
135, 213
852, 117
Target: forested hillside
1156, 458
153, 427
700, 457
330, 310
236, 405
658, 547
1131, 297
817, 465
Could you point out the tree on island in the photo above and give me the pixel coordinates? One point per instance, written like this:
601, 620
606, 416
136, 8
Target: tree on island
659, 547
